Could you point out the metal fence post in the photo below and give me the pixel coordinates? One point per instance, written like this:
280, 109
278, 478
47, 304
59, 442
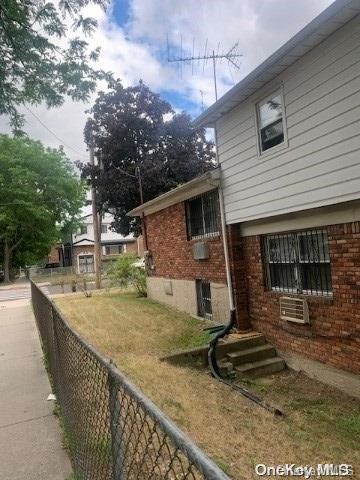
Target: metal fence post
115, 429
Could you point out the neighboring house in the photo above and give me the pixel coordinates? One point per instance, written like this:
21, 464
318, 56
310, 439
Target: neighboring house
288, 143
185, 249
80, 252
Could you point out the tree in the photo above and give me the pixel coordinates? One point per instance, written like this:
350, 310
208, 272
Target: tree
125, 272
36, 64
39, 195
134, 129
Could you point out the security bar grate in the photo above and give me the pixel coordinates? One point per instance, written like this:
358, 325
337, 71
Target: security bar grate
298, 262
203, 215
113, 431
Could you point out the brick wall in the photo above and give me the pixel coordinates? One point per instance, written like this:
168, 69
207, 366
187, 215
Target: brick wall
81, 250
132, 247
172, 252
333, 334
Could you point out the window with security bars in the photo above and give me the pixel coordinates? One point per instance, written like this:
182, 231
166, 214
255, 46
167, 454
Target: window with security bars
203, 291
203, 215
298, 262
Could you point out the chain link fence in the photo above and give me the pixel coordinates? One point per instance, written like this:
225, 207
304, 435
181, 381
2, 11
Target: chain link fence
113, 432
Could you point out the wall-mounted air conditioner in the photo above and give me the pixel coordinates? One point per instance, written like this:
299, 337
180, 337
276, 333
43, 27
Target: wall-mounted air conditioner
294, 310
200, 251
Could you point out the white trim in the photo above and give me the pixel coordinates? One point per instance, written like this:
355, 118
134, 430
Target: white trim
209, 181
321, 27
318, 217
257, 102
82, 254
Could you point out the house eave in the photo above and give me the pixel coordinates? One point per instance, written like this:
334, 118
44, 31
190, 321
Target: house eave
331, 19
197, 186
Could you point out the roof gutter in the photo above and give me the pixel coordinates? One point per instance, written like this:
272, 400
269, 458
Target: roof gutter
197, 186
340, 12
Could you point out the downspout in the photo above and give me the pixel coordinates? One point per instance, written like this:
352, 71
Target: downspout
213, 365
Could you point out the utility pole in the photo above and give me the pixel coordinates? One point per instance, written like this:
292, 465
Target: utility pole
97, 246
143, 222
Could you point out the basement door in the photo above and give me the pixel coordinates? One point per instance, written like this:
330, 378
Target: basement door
203, 292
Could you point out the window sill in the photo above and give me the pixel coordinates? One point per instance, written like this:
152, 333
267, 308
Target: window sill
311, 297
271, 152
211, 237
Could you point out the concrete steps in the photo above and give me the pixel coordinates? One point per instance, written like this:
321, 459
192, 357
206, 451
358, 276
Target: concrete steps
261, 368
252, 357
238, 354
252, 354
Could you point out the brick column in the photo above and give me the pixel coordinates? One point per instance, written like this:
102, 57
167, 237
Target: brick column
238, 276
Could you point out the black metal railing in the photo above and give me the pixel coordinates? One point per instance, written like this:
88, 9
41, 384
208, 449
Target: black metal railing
112, 430
298, 262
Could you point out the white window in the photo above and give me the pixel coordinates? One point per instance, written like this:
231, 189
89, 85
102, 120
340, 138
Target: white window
270, 121
298, 262
86, 263
83, 230
104, 228
203, 215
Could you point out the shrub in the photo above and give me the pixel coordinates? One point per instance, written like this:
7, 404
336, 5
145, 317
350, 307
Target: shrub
125, 273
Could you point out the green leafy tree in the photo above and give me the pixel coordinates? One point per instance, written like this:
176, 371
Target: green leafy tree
43, 58
124, 272
40, 195
135, 129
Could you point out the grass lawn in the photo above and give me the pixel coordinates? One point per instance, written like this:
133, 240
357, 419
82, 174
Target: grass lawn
321, 424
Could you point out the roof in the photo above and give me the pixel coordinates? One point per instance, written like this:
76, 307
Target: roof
118, 241
204, 183
334, 17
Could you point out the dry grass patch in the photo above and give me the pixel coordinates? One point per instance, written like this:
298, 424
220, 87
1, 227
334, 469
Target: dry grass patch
321, 424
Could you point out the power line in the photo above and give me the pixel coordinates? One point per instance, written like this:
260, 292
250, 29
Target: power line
53, 133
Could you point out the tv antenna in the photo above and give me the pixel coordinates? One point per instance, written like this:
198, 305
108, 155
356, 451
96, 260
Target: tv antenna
231, 56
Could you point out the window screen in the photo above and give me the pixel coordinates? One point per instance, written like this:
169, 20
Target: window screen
113, 249
203, 215
270, 122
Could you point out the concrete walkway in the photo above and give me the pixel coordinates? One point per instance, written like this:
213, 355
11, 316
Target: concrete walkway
30, 437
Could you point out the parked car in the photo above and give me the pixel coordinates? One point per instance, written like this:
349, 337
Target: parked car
52, 265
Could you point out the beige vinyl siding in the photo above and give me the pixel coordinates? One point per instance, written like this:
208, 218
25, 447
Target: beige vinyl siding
321, 164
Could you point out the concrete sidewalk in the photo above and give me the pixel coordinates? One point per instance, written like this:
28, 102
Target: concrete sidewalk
30, 437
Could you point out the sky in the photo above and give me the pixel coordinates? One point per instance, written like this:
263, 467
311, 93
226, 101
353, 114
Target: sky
138, 36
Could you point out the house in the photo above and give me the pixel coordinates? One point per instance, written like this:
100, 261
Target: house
288, 148
186, 263
80, 251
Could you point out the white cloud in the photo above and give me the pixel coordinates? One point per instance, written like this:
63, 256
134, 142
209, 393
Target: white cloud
139, 51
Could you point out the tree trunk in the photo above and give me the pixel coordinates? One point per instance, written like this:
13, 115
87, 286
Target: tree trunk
7, 258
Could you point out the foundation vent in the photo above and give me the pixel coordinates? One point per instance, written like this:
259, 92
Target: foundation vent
294, 310
168, 287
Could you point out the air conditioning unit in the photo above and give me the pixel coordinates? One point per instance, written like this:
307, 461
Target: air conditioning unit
200, 251
294, 310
